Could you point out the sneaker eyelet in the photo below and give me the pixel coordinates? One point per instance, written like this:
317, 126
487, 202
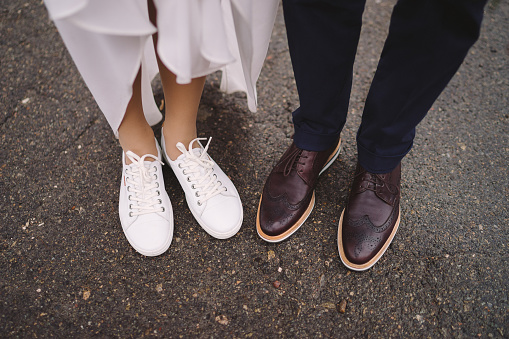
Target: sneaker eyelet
199, 203
189, 179
159, 201
220, 183
225, 189
180, 165
131, 214
163, 209
184, 172
155, 176
157, 185
193, 186
215, 176
129, 197
158, 193
197, 194
130, 206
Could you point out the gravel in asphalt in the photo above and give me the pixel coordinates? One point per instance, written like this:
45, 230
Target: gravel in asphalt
68, 271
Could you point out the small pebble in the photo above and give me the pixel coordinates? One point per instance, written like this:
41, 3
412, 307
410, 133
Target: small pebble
270, 255
419, 318
276, 284
342, 306
329, 305
222, 319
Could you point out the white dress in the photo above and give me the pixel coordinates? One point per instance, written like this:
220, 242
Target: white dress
110, 39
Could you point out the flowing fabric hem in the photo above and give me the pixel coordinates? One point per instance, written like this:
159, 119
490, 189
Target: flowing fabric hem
109, 58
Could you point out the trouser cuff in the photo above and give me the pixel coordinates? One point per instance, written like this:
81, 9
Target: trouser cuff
378, 164
314, 142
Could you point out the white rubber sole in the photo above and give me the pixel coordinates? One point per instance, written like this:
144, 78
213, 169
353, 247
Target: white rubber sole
152, 253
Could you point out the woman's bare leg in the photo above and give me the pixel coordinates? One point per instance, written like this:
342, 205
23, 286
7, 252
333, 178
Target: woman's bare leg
135, 134
181, 103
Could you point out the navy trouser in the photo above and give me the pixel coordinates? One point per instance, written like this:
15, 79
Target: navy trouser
427, 42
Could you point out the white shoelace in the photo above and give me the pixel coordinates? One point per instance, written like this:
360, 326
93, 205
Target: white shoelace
199, 171
142, 184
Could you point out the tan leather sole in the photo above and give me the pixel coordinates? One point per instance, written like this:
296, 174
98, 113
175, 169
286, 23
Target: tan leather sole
332, 157
291, 230
373, 261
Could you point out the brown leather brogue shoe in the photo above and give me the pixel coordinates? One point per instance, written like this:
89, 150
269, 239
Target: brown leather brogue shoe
371, 218
288, 195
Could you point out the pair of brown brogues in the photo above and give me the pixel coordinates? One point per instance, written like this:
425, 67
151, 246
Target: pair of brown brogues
368, 223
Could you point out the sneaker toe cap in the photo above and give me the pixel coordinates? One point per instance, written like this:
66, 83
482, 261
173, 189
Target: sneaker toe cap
150, 236
223, 219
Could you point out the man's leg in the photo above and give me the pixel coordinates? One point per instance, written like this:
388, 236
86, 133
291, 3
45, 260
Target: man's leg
427, 43
323, 37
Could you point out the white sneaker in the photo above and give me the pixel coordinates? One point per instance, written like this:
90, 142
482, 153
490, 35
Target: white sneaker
210, 194
145, 209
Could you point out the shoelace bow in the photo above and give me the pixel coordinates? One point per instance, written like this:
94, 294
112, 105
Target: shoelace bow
375, 180
142, 178
292, 160
199, 170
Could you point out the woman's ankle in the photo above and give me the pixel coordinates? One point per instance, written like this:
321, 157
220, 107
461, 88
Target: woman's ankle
174, 136
140, 141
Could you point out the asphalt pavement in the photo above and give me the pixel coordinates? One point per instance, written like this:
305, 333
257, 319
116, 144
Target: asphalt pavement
68, 271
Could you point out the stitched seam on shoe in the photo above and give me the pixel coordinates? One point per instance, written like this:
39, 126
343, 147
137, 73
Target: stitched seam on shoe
284, 199
365, 221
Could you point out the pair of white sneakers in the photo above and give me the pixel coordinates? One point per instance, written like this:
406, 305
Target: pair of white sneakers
145, 209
